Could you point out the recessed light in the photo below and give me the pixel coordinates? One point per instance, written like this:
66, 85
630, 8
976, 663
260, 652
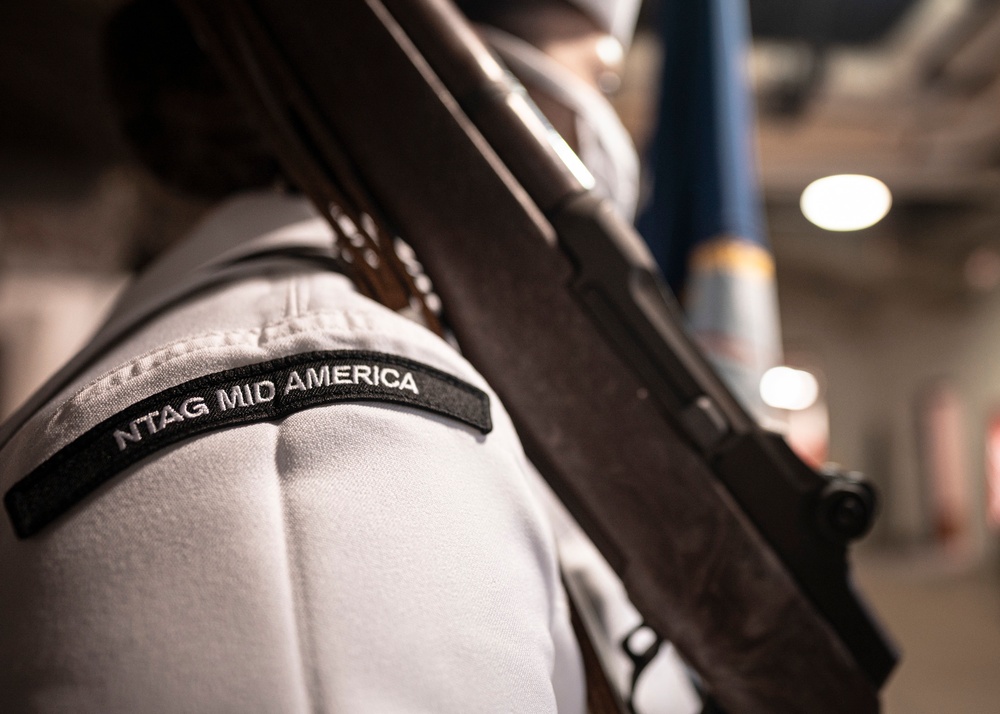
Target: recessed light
789, 388
847, 202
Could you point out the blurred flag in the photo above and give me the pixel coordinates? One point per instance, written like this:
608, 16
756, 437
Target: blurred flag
704, 219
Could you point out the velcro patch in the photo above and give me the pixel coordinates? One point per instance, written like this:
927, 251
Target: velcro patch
245, 395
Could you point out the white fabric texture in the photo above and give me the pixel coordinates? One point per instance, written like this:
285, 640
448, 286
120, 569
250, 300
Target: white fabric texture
348, 558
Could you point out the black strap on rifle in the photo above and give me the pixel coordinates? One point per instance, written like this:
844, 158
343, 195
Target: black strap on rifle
602, 698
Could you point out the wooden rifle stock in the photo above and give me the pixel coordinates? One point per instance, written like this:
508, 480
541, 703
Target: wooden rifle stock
728, 545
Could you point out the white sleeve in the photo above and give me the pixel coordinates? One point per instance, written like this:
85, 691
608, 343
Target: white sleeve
351, 558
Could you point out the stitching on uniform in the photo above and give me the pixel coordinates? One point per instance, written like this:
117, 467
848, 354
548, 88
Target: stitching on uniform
83, 465
154, 359
188, 346
161, 356
299, 361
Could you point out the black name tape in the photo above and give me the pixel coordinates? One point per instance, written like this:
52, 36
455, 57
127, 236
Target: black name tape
245, 395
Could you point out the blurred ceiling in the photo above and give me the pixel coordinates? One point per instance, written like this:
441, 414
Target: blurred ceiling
827, 21
905, 90
909, 94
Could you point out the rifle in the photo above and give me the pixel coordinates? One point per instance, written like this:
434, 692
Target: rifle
729, 545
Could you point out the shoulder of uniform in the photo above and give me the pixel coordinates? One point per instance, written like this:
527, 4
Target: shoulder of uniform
217, 381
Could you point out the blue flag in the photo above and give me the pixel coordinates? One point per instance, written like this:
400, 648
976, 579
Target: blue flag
704, 222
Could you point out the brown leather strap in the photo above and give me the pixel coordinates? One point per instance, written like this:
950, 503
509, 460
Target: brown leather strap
319, 167
601, 696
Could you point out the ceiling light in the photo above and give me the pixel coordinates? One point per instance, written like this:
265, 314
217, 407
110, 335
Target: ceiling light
788, 388
848, 202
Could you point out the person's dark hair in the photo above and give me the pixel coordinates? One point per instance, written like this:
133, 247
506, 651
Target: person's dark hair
175, 109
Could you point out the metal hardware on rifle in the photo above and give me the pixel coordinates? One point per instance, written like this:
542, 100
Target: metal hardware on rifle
847, 506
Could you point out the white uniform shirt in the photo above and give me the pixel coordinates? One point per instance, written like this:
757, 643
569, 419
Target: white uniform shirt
350, 557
